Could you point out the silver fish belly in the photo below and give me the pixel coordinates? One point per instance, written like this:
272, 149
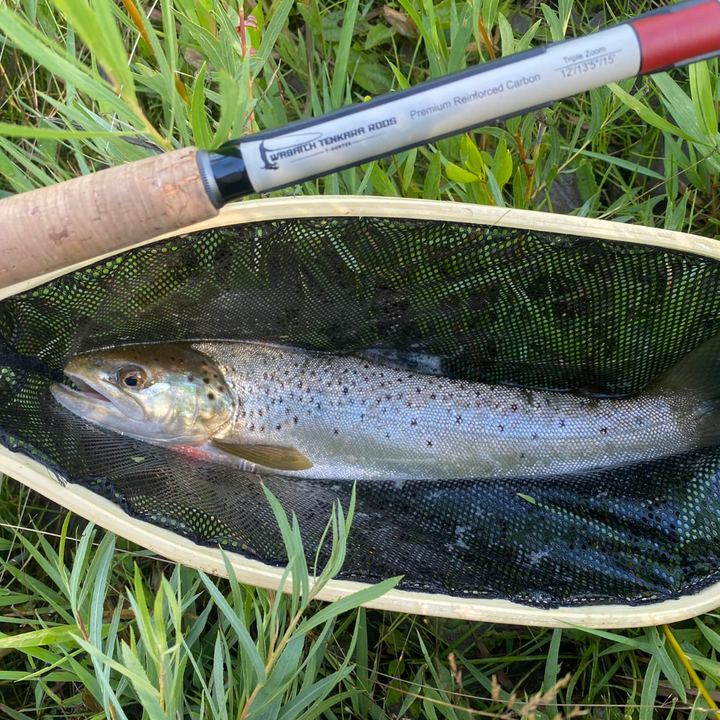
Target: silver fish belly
356, 419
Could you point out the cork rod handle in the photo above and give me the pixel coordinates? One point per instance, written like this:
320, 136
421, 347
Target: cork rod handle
81, 219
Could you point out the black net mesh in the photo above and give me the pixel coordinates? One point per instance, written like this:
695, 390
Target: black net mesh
494, 304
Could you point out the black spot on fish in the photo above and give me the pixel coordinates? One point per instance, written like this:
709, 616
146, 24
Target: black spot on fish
295, 419
603, 431
278, 426
191, 378
458, 420
413, 423
336, 432
433, 396
346, 390
535, 436
429, 443
501, 428
206, 381
513, 407
211, 396
561, 423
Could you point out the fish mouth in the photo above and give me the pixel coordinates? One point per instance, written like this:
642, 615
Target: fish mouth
96, 400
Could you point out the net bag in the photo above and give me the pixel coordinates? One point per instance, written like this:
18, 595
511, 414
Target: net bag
497, 295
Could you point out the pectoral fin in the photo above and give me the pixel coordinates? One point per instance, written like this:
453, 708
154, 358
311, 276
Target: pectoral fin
270, 456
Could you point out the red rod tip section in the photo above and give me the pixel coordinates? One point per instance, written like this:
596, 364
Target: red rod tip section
670, 38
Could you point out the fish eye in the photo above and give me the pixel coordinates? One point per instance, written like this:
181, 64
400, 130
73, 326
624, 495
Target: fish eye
132, 377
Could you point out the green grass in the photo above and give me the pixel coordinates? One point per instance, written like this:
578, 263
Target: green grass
93, 627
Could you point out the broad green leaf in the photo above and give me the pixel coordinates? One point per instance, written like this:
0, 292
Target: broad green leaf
502, 167
378, 34
149, 696
202, 133
229, 108
457, 174
556, 25
340, 71
371, 77
702, 98
551, 667
103, 562
431, 186
710, 635
648, 115
13, 714
381, 182
679, 104
659, 651
624, 164
282, 674
272, 31
39, 638
9, 130
474, 160
293, 709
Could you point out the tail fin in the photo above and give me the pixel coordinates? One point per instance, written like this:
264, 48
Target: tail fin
695, 379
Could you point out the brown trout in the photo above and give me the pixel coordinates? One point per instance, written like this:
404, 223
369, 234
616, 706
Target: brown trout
274, 409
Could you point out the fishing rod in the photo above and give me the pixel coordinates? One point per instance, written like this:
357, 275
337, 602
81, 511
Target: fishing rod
94, 215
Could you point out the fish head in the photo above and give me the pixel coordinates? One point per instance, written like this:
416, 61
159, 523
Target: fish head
169, 394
